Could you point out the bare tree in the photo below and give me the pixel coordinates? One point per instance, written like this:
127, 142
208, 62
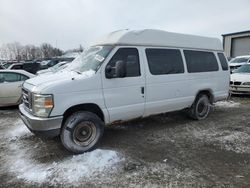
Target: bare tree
16, 51
49, 51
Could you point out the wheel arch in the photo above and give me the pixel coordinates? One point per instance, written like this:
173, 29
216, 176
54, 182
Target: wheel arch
208, 92
90, 107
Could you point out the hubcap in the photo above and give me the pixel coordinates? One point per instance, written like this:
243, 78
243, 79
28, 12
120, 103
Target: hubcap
84, 133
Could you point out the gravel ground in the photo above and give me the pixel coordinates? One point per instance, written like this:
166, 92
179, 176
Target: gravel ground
167, 150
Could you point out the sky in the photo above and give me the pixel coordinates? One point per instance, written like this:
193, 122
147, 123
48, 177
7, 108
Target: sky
68, 23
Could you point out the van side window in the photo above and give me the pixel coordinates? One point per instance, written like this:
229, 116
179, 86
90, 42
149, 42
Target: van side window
223, 61
131, 58
164, 61
200, 61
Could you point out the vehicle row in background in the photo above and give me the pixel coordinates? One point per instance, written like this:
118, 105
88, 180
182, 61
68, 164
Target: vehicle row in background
55, 68
39, 64
13, 74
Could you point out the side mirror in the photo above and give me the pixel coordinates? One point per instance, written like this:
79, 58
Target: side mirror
120, 69
108, 72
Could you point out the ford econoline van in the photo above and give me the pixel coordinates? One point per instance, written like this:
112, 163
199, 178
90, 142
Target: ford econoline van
123, 76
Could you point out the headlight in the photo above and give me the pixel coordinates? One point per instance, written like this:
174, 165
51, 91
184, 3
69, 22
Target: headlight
246, 83
42, 105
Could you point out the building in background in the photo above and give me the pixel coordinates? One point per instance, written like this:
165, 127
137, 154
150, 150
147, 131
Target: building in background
236, 44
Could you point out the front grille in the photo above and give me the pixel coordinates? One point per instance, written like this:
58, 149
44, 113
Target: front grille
237, 83
27, 99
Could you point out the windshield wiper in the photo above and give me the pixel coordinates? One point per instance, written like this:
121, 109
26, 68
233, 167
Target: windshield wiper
78, 72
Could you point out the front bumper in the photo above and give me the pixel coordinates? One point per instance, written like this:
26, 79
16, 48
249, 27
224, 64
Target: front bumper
47, 127
239, 89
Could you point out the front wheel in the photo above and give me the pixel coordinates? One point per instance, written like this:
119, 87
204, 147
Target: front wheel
200, 108
81, 132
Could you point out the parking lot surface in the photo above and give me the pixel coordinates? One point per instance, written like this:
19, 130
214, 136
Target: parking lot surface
168, 150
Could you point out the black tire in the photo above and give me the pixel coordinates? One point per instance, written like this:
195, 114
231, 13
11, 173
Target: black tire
81, 132
201, 107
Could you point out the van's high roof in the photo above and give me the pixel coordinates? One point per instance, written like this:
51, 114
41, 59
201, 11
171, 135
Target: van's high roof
151, 37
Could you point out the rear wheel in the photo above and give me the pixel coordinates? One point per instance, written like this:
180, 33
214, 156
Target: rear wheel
200, 108
81, 132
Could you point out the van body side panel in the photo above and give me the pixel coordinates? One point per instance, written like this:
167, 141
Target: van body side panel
172, 92
166, 92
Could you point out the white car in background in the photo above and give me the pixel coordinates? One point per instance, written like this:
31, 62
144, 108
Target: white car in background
55, 68
239, 61
11, 86
240, 80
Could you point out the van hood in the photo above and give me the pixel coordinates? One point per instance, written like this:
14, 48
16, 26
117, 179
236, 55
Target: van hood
41, 82
240, 77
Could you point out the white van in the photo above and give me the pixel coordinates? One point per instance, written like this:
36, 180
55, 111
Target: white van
123, 76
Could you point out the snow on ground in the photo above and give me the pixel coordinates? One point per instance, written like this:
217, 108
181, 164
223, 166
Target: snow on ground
227, 104
226, 139
17, 131
70, 169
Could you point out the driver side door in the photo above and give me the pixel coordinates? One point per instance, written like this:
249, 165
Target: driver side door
124, 97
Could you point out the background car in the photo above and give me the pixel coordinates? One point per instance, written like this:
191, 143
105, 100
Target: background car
55, 68
240, 80
239, 61
11, 86
31, 67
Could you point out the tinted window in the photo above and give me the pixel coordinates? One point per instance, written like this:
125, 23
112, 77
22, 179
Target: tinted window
164, 61
223, 61
199, 61
131, 58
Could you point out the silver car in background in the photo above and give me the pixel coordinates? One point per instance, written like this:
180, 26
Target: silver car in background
11, 86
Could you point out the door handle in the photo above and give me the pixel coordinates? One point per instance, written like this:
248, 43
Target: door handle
142, 90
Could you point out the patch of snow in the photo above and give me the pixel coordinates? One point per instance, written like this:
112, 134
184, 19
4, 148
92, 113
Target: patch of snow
17, 131
25, 162
67, 171
227, 104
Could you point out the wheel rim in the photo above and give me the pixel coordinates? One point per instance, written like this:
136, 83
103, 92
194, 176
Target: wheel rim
84, 133
202, 107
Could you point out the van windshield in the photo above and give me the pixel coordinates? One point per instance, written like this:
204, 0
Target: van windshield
91, 59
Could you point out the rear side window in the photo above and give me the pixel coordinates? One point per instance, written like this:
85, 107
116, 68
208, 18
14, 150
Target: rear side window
200, 61
164, 61
23, 77
223, 61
